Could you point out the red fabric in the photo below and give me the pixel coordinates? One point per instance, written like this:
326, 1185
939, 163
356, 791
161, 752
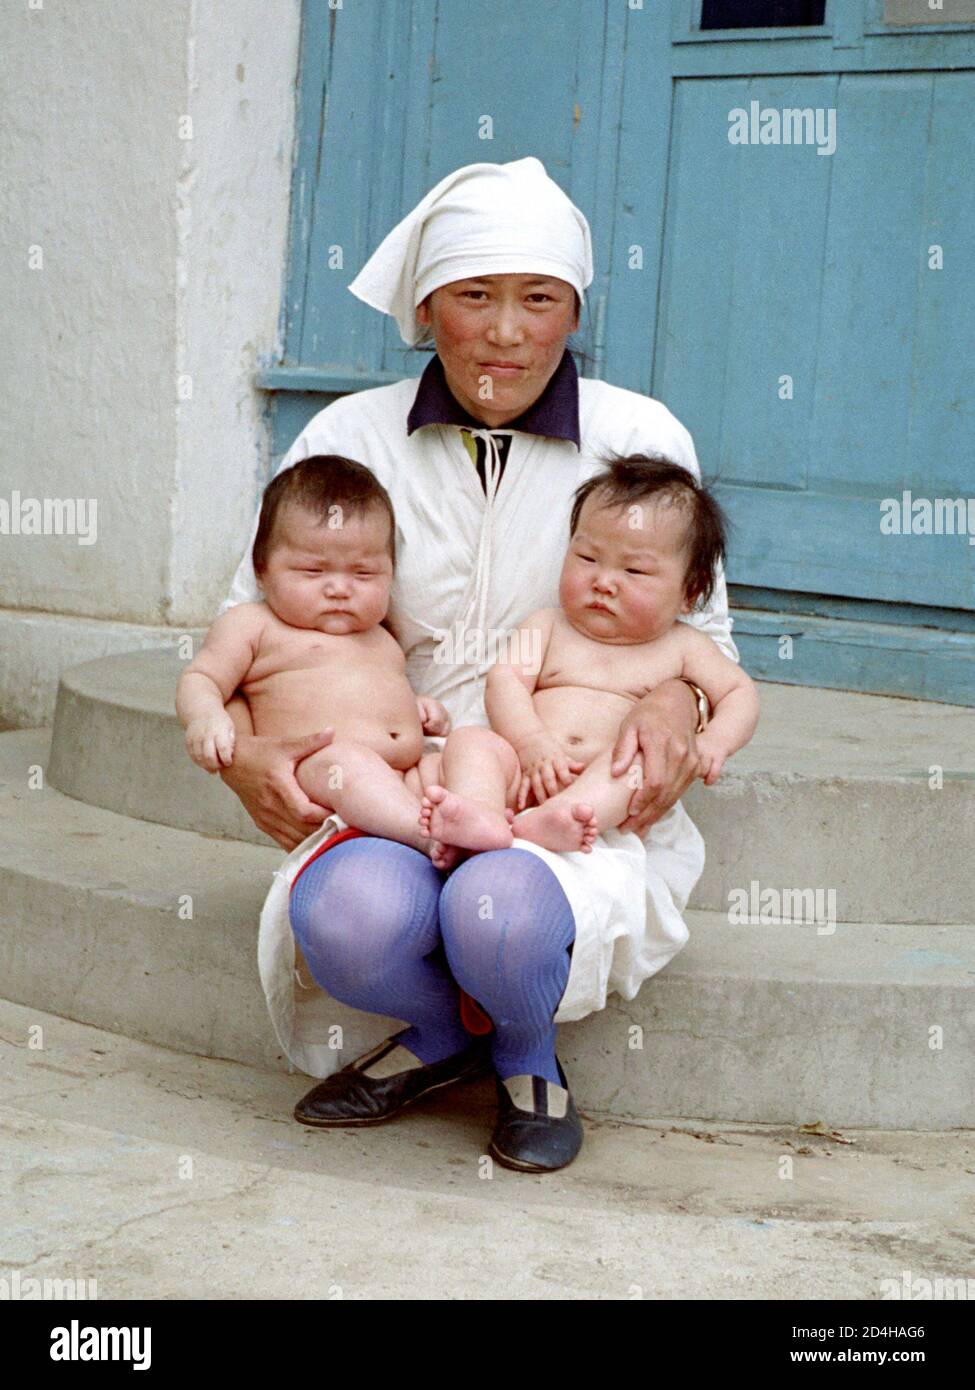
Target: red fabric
349, 833
473, 1017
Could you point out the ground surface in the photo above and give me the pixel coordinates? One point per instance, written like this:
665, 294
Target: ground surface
167, 1176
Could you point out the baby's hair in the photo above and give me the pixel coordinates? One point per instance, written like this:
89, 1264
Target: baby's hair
632, 478
318, 484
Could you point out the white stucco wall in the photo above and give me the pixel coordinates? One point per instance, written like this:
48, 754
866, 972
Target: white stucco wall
163, 268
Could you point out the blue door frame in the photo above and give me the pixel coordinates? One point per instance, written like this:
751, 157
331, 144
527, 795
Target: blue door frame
720, 271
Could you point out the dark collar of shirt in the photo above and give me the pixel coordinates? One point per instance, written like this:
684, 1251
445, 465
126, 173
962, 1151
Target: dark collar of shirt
555, 413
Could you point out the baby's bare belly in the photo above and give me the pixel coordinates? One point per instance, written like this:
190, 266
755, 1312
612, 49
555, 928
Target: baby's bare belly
377, 709
587, 721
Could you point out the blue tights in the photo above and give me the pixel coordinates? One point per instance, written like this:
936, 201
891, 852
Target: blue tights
381, 930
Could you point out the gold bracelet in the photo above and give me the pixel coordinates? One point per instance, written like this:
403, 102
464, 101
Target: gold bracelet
703, 706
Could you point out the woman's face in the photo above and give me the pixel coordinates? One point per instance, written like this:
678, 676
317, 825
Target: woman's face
500, 338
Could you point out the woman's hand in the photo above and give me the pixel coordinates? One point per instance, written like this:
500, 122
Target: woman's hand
263, 776
434, 718
545, 767
660, 732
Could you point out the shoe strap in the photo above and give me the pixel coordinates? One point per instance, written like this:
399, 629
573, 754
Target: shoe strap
388, 1059
537, 1096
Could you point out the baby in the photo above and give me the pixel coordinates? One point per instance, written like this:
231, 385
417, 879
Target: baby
314, 655
645, 544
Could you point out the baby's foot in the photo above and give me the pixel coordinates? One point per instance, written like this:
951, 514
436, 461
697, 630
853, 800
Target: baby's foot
444, 857
557, 826
456, 821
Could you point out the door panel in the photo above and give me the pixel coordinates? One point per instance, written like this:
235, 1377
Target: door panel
780, 262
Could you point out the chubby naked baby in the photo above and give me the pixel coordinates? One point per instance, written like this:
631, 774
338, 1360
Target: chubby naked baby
646, 542
313, 655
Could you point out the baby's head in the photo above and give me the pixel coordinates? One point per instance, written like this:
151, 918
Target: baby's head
646, 542
326, 546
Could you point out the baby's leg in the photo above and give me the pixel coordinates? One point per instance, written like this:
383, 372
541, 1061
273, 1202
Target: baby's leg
573, 818
481, 772
366, 792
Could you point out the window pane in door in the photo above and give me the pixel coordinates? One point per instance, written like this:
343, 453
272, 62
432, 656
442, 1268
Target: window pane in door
761, 14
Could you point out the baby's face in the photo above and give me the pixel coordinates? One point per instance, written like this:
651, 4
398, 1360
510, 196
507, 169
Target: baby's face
333, 578
623, 576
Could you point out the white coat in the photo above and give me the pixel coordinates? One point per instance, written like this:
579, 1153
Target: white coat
627, 896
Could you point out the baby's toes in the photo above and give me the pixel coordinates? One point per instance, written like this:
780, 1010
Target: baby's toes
443, 856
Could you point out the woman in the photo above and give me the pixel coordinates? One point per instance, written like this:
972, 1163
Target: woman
481, 458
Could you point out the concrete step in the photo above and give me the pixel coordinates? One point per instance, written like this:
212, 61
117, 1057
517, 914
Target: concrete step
114, 1149
760, 1023
834, 794
118, 744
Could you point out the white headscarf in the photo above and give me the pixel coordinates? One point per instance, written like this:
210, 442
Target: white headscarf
483, 219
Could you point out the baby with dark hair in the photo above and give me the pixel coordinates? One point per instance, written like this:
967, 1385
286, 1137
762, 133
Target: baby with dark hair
314, 653
646, 543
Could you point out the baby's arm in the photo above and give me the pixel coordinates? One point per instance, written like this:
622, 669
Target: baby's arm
227, 654
508, 701
733, 695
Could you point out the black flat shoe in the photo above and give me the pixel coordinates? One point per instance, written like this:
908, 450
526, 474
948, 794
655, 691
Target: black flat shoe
350, 1097
538, 1128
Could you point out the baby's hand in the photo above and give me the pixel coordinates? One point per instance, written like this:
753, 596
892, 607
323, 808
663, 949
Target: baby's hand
712, 760
210, 741
434, 718
546, 768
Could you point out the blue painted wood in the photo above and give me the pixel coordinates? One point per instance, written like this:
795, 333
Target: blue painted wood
852, 609
336, 383
774, 267
641, 160
886, 660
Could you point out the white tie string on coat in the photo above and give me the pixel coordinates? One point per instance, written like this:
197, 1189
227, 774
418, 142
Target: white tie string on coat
477, 607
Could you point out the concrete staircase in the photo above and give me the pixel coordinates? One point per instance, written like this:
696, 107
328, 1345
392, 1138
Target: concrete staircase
110, 838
